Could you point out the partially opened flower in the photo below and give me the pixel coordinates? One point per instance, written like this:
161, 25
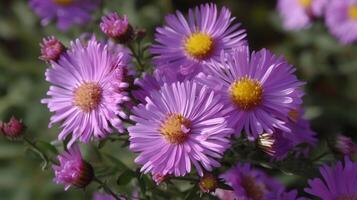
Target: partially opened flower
249, 183
181, 124
88, 89
117, 27
337, 183
184, 44
258, 89
65, 12
299, 14
341, 20
51, 49
72, 169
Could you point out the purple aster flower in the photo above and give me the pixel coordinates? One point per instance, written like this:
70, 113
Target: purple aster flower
183, 44
345, 145
258, 89
298, 14
341, 20
73, 170
181, 124
117, 27
337, 183
249, 183
88, 88
51, 49
149, 83
65, 12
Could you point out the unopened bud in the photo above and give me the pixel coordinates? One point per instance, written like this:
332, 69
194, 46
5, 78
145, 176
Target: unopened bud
51, 49
12, 129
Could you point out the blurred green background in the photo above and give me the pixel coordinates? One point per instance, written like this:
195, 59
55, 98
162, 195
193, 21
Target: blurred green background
329, 69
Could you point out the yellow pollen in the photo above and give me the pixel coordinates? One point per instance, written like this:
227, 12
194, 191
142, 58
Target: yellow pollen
253, 190
246, 93
63, 2
173, 128
352, 12
199, 45
88, 96
305, 3
294, 115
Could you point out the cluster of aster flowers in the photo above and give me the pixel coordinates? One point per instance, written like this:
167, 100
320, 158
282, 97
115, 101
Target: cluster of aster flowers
340, 16
207, 88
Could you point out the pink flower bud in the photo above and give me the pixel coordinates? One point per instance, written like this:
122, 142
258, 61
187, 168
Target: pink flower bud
12, 129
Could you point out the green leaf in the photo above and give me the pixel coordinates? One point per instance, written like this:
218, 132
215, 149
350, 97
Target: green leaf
126, 177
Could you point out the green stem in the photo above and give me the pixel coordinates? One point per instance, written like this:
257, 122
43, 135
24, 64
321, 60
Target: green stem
320, 156
137, 57
39, 152
107, 189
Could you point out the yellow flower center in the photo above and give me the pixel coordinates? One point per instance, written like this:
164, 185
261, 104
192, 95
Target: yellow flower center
199, 45
305, 3
88, 96
253, 190
63, 2
246, 93
352, 12
174, 129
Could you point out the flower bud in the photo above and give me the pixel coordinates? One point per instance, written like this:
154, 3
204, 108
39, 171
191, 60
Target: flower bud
73, 170
51, 49
12, 129
117, 27
345, 145
208, 183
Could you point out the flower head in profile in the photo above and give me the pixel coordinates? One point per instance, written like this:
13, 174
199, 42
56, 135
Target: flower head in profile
181, 124
337, 182
249, 183
116, 27
299, 14
184, 44
88, 89
345, 145
279, 143
341, 20
258, 90
72, 169
65, 12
